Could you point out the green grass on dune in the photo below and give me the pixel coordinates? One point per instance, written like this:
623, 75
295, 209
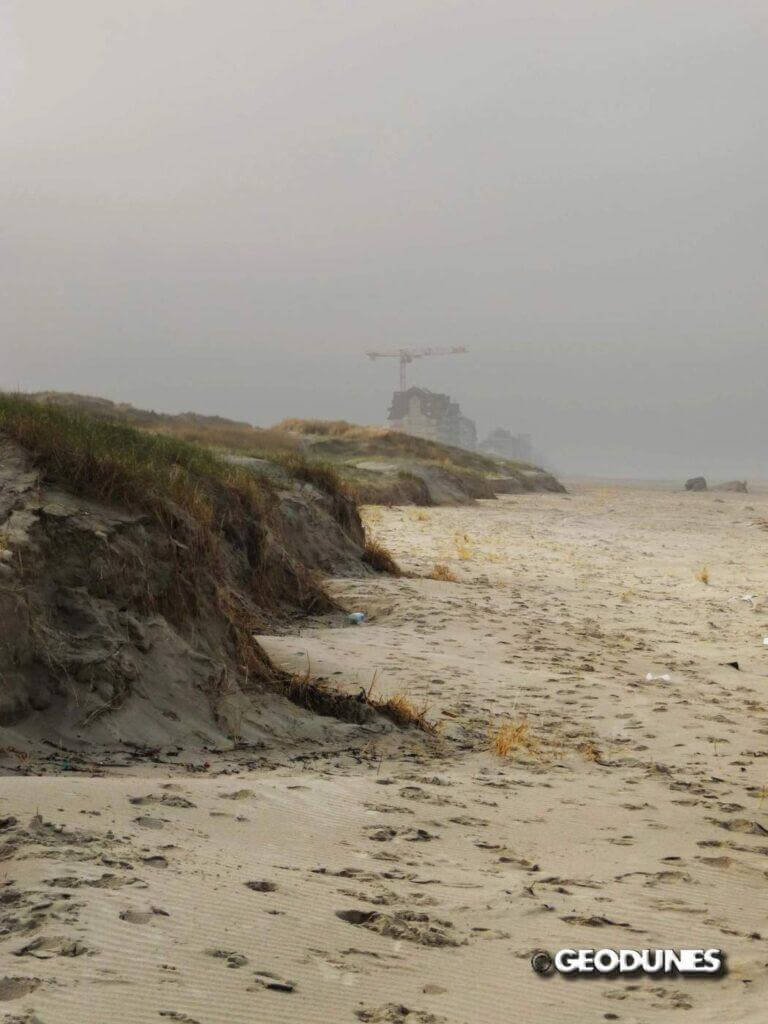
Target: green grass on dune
116, 463
99, 457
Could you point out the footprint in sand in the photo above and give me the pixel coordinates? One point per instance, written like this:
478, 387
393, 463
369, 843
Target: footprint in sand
397, 1013
164, 798
410, 835
156, 861
405, 924
15, 988
47, 947
145, 821
232, 958
241, 794
268, 980
142, 916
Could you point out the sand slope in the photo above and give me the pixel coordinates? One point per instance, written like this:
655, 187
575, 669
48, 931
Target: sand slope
405, 879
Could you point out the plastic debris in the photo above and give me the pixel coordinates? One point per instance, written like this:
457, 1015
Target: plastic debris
356, 618
651, 678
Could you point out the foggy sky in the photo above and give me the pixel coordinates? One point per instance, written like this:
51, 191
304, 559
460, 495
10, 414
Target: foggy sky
222, 206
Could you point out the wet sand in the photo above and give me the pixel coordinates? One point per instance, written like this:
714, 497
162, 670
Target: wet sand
403, 878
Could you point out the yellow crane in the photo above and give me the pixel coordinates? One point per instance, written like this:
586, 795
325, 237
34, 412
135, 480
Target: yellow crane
407, 355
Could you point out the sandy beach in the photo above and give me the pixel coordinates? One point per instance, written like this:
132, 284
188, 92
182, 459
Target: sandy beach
368, 874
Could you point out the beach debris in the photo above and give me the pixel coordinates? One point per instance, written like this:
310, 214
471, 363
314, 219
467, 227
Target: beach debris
355, 618
261, 885
651, 678
696, 483
266, 979
740, 486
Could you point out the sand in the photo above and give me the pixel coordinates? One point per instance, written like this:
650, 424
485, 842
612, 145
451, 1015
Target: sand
372, 875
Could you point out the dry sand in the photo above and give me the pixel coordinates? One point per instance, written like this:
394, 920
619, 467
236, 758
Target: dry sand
382, 877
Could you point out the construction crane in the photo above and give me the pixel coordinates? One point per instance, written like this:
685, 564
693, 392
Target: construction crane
407, 355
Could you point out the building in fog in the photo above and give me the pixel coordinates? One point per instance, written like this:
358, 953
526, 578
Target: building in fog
436, 417
510, 446
467, 433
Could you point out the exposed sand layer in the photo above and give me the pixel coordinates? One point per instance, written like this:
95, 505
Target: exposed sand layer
380, 877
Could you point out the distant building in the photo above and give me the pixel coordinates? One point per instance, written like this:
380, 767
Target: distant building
508, 445
425, 414
467, 433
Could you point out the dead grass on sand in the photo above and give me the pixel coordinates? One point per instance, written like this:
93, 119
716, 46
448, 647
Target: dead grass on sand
380, 559
443, 573
509, 736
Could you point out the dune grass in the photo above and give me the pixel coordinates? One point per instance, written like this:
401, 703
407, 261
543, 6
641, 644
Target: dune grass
508, 736
463, 545
100, 458
323, 452
336, 435
199, 501
319, 473
324, 428
403, 712
380, 559
444, 573
115, 463
229, 437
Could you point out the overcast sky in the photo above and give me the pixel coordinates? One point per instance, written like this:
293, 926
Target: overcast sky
223, 206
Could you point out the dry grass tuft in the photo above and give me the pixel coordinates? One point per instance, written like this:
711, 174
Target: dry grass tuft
322, 428
371, 515
403, 712
703, 575
377, 556
418, 515
508, 736
463, 546
442, 572
230, 438
589, 750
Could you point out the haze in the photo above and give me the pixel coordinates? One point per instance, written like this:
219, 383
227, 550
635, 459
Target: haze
221, 207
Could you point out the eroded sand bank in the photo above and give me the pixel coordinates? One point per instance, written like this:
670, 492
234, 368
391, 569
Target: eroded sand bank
408, 879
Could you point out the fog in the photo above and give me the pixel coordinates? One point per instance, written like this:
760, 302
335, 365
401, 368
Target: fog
222, 207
